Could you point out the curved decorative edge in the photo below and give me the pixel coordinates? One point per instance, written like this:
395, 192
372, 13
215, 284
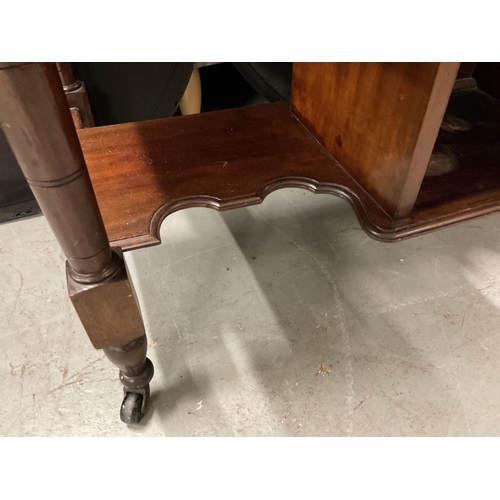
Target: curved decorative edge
259, 196
385, 230
373, 230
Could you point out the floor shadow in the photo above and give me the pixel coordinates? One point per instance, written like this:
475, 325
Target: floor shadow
323, 280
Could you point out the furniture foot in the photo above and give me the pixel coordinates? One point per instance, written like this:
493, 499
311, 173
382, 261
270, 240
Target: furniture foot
110, 315
136, 371
132, 409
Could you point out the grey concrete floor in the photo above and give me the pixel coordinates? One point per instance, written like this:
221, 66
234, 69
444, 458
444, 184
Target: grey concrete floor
283, 319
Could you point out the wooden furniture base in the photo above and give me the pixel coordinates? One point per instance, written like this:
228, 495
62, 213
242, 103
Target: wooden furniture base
142, 172
393, 139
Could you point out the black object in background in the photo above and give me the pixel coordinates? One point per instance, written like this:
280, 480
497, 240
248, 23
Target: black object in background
271, 80
16, 199
130, 92
232, 85
223, 87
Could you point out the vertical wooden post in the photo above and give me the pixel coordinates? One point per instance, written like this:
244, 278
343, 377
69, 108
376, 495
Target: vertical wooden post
35, 117
77, 97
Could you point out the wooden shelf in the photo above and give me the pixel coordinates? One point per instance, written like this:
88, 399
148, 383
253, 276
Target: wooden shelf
144, 171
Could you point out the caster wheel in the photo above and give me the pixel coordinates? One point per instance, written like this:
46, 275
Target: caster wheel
131, 409
134, 405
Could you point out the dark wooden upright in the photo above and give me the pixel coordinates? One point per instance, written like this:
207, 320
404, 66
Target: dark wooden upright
77, 97
37, 122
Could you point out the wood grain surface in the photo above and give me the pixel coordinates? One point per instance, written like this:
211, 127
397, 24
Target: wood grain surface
379, 120
142, 172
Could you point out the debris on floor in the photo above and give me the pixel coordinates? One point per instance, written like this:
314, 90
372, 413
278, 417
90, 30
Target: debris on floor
324, 369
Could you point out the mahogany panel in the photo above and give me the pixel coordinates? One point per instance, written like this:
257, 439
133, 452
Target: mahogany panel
142, 172
379, 120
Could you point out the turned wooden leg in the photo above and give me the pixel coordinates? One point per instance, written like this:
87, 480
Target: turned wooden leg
76, 94
109, 312
35, 117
